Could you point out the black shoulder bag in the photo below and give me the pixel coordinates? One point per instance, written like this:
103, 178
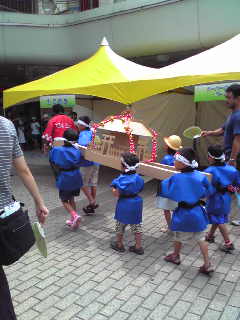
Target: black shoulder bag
16, 236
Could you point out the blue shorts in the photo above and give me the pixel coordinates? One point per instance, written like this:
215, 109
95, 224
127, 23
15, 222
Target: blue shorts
66, 195
218, 219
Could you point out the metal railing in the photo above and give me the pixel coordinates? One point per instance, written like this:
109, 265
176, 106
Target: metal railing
53, 6
26, 6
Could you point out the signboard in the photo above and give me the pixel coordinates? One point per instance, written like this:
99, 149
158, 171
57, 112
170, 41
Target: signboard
67, 101
211, 92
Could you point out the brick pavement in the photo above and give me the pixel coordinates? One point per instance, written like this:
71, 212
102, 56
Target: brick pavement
83, 279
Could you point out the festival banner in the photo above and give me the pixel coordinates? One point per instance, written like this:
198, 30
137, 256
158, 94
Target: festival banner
67, 101
211, 92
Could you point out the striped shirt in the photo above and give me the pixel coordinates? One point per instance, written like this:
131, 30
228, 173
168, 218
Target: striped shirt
9, 150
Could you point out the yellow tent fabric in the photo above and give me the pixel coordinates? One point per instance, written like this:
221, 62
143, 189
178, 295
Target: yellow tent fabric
110, 76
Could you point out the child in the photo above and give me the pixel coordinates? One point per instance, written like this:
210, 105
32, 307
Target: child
130, 205
21, 134
189, 219
66, 160
35, 132
219, 203
89, 169
172, 144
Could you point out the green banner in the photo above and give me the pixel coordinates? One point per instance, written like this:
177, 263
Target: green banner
67, 101
211, 92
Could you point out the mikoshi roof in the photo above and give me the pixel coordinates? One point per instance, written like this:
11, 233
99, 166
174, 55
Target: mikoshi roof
117, 125
110, 76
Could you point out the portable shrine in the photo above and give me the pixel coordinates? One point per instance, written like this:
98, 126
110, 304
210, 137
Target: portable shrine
122, 133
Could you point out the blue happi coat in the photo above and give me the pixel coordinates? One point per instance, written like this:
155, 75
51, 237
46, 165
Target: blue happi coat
129, 209
219, 203
168, 159
188, 187
67, 158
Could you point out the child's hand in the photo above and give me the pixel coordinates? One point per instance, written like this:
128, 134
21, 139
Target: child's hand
115, 192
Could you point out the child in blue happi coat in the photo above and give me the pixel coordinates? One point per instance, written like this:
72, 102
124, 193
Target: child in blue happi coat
172, 145
66, 160
129, 205
224, 179
189, 219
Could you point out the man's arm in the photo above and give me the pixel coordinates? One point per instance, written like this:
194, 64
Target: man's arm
216, 133
235, 150
26, 176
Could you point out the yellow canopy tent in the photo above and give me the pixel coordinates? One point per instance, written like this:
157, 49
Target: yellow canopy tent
110, 76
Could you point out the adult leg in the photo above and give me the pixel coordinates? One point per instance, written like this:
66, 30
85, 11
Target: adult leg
6, 305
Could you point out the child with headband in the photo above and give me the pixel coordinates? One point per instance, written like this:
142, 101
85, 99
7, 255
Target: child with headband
172, 145
66, 161
224, 179
189, 219
129, 205
89, 169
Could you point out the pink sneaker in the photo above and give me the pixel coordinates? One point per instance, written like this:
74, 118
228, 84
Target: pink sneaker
69, 223
76, 222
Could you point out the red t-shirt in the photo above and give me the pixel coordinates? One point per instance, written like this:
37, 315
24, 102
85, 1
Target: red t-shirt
56, 127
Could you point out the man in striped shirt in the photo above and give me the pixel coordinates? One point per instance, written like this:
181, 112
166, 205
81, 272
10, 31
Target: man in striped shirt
11, 154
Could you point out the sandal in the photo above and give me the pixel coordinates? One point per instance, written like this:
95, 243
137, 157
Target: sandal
173, 259
89, 210
210, 239
139, 251
228, 248
95, 206
115, 247
207, 270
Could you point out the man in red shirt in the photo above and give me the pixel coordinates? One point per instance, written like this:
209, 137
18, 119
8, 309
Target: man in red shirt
57, 125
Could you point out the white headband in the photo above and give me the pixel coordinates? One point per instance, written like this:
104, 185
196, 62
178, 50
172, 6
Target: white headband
129, 168
182, 159
222, 158
73, 143
80, 122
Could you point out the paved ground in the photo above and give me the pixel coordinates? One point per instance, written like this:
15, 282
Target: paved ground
82, 279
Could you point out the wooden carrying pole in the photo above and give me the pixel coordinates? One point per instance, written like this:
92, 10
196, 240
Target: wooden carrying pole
151, 169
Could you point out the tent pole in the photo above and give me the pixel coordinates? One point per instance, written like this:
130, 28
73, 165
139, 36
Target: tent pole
195, 141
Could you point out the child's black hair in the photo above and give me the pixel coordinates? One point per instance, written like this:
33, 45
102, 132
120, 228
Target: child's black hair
85, 119
130, 158
171, 151
216, 151
188, 153
70, 135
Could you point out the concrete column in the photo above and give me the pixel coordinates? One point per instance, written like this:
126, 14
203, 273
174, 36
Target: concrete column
103, 3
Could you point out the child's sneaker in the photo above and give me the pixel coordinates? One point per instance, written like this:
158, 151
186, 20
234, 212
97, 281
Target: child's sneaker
69, 222
228, 248
76, 222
